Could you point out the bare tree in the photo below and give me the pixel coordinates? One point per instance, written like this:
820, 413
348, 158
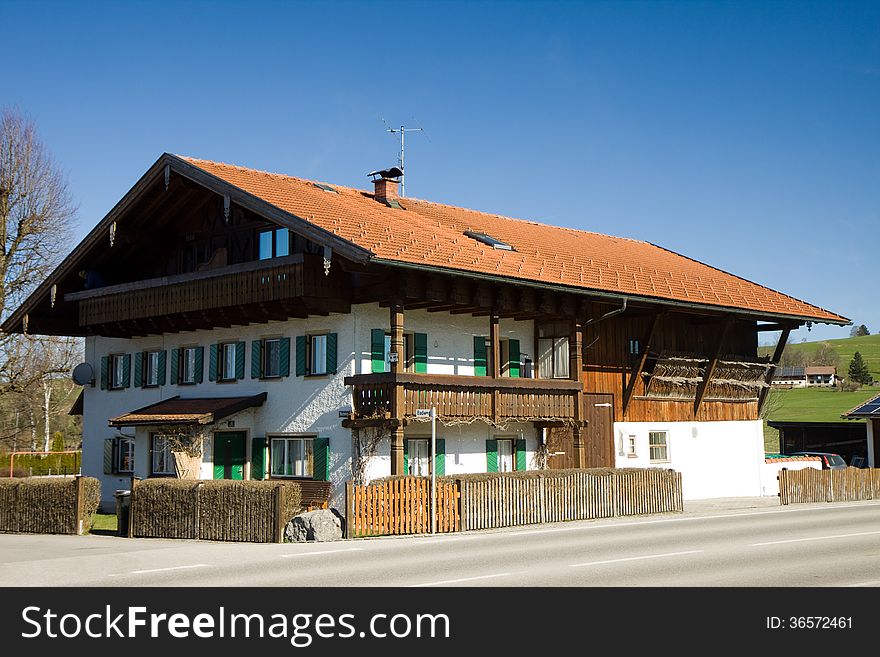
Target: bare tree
36, 216
825, 354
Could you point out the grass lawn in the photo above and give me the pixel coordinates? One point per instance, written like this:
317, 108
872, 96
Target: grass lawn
867, 345
104, 523
810, 405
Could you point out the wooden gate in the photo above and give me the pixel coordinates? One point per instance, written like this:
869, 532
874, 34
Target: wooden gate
599, 409
400, 506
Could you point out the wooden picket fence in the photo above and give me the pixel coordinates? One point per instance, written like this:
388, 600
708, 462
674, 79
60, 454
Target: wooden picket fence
810, 485
573, 495
400, 506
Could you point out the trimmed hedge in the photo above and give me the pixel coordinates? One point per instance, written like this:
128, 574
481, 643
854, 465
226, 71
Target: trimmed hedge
48, 506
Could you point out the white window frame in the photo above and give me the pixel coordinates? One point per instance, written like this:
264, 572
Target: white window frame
318, 354
307, 460
164, 453
512, 455
654, 446
225, 366
264, 354
151, 369
419, 461
185, 362
117, 364
124, 452
631, 446
557, 362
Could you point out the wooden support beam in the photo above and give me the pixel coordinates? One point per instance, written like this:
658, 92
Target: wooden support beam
640, 366
710, 368
494, 364
774, 362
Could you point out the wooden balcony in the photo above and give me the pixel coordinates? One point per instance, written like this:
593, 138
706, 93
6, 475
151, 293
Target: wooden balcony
394, 397
294, 286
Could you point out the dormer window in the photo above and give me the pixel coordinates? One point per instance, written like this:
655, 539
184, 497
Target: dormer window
273, 243
488, 240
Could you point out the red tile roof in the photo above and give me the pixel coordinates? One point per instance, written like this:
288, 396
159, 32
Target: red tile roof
426, 233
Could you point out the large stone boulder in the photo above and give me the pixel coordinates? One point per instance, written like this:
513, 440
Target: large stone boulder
321, 525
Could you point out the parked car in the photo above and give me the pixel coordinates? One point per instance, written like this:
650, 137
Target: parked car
829, 461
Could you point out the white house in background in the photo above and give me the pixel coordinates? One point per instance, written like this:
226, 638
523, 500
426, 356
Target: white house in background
805, 377
285, 328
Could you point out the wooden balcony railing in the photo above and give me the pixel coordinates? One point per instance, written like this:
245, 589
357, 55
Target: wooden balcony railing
388, 395
238, 286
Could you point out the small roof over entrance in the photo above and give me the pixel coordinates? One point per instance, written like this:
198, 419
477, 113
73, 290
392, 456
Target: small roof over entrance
196, 410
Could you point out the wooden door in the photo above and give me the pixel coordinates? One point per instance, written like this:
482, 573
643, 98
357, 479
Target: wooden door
229, 455
599, 409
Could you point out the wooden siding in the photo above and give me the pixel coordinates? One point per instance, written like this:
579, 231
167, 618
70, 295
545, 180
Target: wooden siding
464, 397
608, 363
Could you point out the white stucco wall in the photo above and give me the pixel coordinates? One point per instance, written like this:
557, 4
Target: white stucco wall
716, 459
770, 472
294, 404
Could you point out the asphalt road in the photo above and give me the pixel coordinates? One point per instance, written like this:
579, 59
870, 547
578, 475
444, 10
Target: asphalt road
761, 545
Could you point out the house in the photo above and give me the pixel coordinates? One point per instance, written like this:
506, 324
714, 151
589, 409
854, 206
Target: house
804, 377
251, 325
870, 412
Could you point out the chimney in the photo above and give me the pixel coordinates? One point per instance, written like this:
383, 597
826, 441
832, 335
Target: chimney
385, 184
385, 189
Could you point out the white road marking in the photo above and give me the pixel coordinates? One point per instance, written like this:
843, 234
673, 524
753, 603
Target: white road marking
814, 538
306, 554
647, 556
158, 570
462, 579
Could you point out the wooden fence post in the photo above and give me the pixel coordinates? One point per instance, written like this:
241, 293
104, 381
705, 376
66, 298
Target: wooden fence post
349, 516
278, 518
462, 513
197, 503
130, 508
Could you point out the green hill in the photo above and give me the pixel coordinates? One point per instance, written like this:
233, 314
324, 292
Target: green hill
867, 345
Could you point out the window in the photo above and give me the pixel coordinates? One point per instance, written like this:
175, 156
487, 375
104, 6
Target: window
317, 354
117, 371
188, 365
292, 457
418, 457
151, 369
658, 444
273, 243
161, 459
488, 240
125, 455
408, 352
553, 350
271, 358
631, 446
226, 362
506, 456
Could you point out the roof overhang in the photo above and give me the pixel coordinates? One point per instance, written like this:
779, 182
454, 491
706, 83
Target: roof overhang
198, 411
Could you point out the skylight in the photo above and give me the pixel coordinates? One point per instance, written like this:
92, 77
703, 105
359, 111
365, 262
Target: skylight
489, 240
326, 188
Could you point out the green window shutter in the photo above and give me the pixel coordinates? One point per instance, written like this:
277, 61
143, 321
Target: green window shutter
175, 366
300, 355
126, 370
377, 347
440, 458
256, 360
239, 360
332, 345
200, 363
405, 456
108, 455
513, 348
479, 355
138, 369
321, 459
491, 455
212, 362
105, 372
284, 357
219, 470
521, 454
161, 377
420, 352
258, 458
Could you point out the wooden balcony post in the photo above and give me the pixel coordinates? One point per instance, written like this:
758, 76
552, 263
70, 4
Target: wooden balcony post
494, 364
397, 343
579, 458
397, 451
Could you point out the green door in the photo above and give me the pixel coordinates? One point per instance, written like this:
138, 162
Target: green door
229, 455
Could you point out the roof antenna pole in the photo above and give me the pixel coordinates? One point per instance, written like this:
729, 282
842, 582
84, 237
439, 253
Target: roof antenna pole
402, 130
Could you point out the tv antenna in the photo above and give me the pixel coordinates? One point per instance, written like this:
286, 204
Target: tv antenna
402, 130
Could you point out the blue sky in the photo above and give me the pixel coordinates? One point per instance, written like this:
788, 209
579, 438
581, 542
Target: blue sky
743, 134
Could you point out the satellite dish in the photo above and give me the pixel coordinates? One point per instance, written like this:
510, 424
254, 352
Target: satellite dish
83, 374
